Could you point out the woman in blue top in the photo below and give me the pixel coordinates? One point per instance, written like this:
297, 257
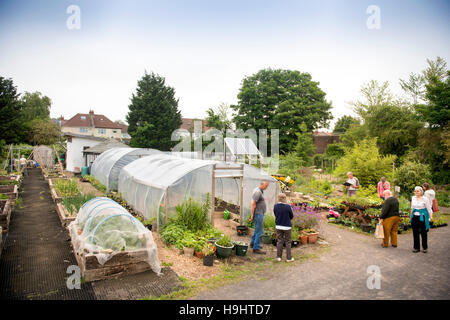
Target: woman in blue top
283, 216
421, 214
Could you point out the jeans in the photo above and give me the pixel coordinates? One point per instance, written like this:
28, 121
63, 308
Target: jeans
259, 229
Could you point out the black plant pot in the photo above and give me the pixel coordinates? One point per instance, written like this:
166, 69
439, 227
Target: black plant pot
149, 227
208, 260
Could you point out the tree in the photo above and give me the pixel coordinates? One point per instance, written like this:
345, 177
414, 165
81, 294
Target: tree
10, 112
355, 133
219, 118
365, 162
374, 95
411, 174
344, 123
43, 132
35, 106
281, 99
305, 146
153, 114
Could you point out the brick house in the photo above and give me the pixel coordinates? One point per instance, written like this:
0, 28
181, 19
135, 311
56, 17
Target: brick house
91, 124
323, 139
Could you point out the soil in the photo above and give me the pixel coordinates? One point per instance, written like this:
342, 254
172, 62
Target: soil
87, 188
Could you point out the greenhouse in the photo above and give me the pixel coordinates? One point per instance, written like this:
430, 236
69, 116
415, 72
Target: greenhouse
104, 228
107, 166
156, 184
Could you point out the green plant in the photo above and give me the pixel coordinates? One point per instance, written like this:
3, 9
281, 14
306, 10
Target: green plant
411, 174
9, 182
226, 214
4, 197
269, 222
250, 224
225, 241
66, 187
100, 187
208, 249
172, 233
73, 204
192, 214
294, 233
443, 198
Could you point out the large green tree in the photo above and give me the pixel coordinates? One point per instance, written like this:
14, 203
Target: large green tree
11, 130
35, 106
153, 114
219, 118
344, 123
281, 99
42, 132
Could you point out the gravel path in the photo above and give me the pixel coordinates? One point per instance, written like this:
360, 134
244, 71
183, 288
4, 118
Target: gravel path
341, 273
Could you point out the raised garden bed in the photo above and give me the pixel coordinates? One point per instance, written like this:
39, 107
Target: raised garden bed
121, 263
221, 205
64, 216
54, 194
11, 191
5, 214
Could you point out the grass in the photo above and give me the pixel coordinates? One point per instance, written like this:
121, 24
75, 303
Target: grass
231, 274
73, 204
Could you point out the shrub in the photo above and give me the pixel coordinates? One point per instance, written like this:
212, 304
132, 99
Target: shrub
269, 222
171, 233
365, 162
305, 217
411, 174
225, 241
443, 198
192, 214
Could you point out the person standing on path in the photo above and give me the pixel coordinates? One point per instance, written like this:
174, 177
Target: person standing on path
258, 209
421, 214
382, 186
23, 164
390, 218
431, 195
353, 186
283, 216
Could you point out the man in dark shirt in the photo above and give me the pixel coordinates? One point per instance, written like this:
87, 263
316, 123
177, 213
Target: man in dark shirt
390, 218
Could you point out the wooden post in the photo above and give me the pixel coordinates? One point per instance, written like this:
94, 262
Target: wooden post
166, 212
241, 205
213, 192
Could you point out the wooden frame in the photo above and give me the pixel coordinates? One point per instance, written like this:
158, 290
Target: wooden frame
5, 216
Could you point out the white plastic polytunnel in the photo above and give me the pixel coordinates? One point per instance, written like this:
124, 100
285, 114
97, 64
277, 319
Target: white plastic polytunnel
107, 166
158, 183
104, 228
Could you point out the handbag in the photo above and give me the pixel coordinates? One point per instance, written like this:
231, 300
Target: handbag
379, 231
435, 205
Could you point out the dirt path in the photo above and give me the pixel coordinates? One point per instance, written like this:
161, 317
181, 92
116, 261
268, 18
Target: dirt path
37, 252
341, 273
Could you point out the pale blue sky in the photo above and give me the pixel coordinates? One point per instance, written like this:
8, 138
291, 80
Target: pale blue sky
205, 48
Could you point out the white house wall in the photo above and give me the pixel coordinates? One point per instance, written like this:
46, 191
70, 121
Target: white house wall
75, 159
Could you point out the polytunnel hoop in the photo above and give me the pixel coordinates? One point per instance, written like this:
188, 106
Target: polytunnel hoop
95, 214
107, 218
96, 199
85, 219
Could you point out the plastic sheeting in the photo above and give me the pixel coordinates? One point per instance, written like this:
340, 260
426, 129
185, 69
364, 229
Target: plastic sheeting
158, 183
104, 228
107, 166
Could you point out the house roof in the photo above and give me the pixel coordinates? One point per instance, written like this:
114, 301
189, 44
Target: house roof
106, 145
91, 120
188, 124
83, 136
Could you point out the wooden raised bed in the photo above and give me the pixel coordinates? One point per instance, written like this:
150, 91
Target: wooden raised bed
121, 263
55, 197
1, 243
5, 214
11, 191
64, 215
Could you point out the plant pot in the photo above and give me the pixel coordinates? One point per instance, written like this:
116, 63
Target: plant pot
241, 250
242, 230
274, 242
223, 252
149, 227
208, 260
295, 243
266, 238
188, 251
198, 254
303, 239
366, 227
312, 237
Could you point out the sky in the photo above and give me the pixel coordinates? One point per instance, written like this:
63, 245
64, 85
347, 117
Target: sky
205, 48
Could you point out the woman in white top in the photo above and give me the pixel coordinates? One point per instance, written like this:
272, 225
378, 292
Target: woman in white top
430, 194
421, 214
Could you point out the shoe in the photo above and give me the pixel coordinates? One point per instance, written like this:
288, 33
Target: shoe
415, 250
383, 246
394, 246
278, 259
258, 251
251, 244
424, 250
290, 260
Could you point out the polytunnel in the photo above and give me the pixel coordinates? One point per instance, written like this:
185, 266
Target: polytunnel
107, 166
103, 227
158, 183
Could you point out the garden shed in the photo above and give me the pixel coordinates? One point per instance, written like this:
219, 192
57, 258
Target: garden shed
156, 184
107, 166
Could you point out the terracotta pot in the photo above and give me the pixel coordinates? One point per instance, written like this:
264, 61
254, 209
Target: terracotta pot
198, 254
303, 239
312, 237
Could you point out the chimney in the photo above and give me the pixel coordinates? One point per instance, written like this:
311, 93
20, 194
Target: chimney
91, 111
61, 118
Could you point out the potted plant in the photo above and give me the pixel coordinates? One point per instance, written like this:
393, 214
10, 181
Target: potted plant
294, 237
303, 237
188, 247
241, 248
312, 235
198, 248
208, 254
266, 237
224, 246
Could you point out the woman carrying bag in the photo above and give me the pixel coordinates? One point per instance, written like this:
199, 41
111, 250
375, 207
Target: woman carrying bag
421, 214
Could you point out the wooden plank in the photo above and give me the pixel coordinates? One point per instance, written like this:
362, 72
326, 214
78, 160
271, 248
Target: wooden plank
64, 215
